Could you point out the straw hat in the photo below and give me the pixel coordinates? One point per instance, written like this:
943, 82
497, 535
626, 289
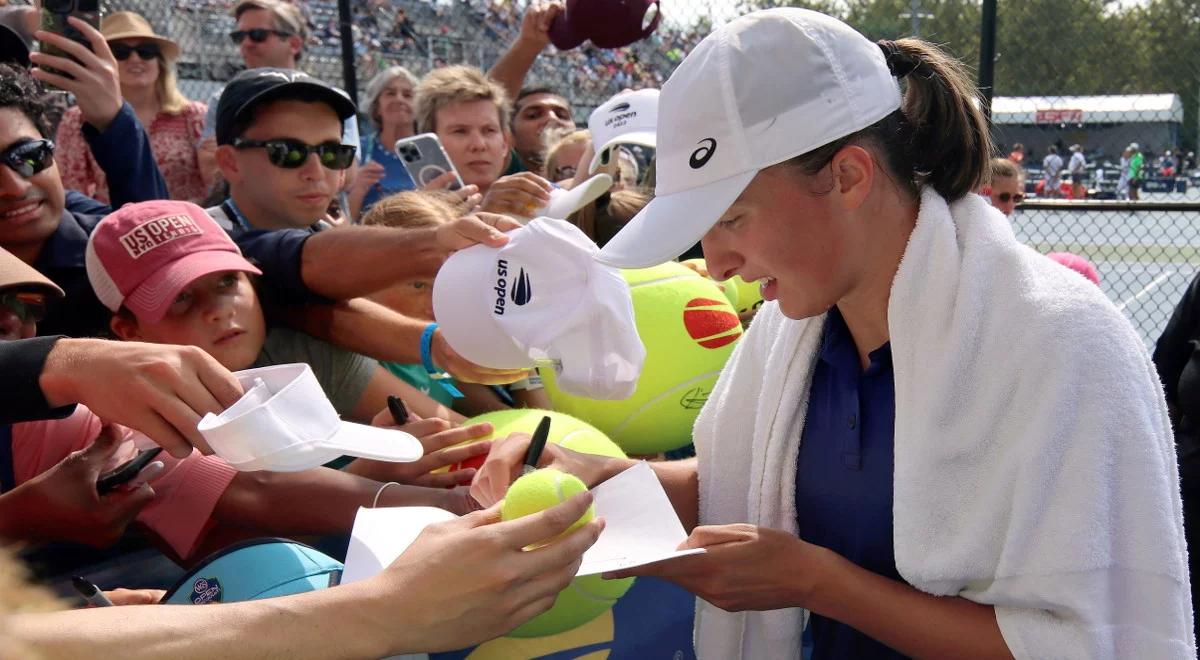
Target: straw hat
131, 25
16, 273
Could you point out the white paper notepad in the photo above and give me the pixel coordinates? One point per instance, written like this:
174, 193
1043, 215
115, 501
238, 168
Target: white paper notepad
640, 528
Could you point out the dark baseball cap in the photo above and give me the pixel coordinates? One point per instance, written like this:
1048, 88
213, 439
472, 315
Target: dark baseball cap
15, 42
607, 23
254, 87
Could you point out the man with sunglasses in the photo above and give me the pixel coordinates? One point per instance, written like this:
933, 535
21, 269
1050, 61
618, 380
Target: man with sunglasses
279, 150
269, 34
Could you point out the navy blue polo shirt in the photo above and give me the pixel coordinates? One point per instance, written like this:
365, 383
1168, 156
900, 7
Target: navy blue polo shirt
844, 473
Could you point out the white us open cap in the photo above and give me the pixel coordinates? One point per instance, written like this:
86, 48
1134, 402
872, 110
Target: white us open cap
760, 90
542, 298
285, 423
627, 118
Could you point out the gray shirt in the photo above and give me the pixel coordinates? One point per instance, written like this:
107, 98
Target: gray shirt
342, 374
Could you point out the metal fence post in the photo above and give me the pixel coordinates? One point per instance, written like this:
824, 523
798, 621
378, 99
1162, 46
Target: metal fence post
987, 54
349, 71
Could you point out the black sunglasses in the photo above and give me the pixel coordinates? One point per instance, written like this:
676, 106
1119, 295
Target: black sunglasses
1016, 197
144, 51
29, 158
28, 307
290, 154
257, 35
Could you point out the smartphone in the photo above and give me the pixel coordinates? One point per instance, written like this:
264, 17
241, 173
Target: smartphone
125, 472
425, 159
54, 19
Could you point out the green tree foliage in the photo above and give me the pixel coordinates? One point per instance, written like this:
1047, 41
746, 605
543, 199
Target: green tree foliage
1053, 47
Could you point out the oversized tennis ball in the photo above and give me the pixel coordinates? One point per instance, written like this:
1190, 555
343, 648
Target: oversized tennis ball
565, 430
749, 296
730, 291
585, 599
540, 490
689, 330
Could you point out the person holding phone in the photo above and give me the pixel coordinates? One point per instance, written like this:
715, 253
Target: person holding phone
470, 113
146, 70
932, 441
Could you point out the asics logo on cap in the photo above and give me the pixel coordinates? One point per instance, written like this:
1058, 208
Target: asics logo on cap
522, 292
701, 156
620, 107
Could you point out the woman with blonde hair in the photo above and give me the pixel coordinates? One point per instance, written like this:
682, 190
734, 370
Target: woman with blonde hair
146, 65
388, 104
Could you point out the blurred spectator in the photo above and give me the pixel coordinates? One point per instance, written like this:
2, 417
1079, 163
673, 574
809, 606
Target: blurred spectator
536, 111
1052, 166
1137, 162
388, 106
146, 65
1077, 168
1017, 155
564, 150
1123, 178
470, 114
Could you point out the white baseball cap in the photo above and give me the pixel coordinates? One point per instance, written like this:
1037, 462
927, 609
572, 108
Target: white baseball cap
758, 91
285, 423
542, 298
627, 118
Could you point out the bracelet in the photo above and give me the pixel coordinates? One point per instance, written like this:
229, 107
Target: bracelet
375, 502
440, 377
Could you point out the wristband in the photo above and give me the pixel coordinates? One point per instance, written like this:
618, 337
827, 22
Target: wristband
440, 377
533, 382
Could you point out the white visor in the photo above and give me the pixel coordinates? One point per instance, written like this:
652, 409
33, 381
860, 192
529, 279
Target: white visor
285, 423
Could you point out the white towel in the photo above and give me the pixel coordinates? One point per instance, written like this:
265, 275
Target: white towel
1034, 463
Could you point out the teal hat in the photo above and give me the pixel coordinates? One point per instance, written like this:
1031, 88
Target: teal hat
252, 570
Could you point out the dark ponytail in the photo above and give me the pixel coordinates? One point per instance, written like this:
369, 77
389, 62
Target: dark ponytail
939, 137
949, 141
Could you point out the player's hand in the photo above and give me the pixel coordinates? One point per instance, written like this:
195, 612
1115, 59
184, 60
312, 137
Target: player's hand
744, 567
445, 358
506, 460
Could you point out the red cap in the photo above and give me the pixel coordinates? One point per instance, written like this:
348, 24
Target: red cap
143, 255
608, 23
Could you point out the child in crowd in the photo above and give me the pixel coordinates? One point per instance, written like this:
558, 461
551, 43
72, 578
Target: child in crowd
192, 505
414, 298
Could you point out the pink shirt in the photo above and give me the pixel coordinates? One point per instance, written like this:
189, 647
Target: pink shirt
185, 494
173, 139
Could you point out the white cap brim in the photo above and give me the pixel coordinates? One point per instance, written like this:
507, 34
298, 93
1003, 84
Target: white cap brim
374, 443
671, 224
644, 138
565, 202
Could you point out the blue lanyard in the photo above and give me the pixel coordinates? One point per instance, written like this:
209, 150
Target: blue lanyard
235, 214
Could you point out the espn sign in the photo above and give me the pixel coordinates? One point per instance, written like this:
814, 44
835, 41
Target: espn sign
1059, 117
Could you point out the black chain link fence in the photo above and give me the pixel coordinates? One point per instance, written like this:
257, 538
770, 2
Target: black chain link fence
1100, 74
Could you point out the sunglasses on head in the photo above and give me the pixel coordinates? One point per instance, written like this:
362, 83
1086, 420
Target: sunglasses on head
290, 154
28, 307
145, 51
1016, 197
29, 157
257, 35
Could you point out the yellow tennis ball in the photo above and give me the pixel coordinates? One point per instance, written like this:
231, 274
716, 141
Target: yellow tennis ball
540, 490
727, 288
689, 330
749, 296
585, 599
565, 431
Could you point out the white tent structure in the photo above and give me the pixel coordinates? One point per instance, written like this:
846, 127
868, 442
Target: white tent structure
1102, 124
